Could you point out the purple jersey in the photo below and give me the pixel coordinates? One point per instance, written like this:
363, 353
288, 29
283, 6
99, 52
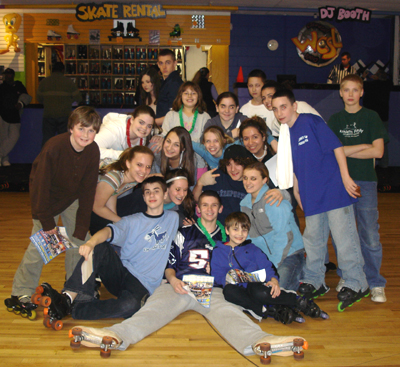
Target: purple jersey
191, 251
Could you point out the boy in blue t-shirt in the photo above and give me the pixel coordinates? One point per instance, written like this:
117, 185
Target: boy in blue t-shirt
325, 191
145, 240
363, 135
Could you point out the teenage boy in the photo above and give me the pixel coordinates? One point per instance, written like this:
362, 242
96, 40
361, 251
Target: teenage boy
62, 184
255, 81
363, 135
170, 84
190, 254
145, 241
325, 191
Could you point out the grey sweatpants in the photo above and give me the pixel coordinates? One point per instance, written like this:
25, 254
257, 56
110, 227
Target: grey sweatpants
165, 305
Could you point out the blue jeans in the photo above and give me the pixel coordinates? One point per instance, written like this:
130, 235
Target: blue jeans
118, 281
342, 224
366, 211
291, 270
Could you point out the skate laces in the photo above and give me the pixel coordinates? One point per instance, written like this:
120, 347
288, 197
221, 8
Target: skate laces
24, 299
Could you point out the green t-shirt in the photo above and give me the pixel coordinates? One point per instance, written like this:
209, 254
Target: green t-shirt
362, 127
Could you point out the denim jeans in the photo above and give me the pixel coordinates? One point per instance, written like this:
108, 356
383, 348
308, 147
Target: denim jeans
118, 281
366, 211
291, 270
342, 224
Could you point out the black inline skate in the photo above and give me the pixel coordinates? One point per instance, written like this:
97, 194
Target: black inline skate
284, 314
347, 297
21, 305
310, 308
310, 292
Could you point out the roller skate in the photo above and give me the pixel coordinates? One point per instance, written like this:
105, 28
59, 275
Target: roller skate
283, 346
308, 290
131, 31
106, 340
176, 31
310, 308
59, 306
21, 305
51, 34
118, 31
71, 32
347, 297
284, 314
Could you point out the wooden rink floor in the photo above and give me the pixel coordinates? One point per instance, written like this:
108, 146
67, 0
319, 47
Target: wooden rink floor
366, 334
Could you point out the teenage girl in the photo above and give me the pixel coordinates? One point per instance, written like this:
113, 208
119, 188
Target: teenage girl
273, 228
213, 145
119, 132
188, 111
229, 118
133, 166
150, 84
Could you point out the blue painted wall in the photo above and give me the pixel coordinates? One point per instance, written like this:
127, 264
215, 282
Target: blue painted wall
251, 33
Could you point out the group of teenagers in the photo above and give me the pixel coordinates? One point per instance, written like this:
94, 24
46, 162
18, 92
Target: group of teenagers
180, 192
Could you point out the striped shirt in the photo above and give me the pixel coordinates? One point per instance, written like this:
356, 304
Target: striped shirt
338, 72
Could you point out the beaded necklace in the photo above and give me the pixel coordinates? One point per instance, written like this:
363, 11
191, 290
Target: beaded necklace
196, 112
209, 238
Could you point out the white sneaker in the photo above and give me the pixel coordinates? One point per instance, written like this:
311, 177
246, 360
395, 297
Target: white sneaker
340, 285
283, 346
378, 294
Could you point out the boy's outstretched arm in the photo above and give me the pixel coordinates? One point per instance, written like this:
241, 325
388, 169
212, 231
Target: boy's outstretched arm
350, 186
99, 237
374, 150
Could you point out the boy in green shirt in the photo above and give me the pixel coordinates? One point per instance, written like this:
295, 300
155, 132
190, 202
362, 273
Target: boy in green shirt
363, 136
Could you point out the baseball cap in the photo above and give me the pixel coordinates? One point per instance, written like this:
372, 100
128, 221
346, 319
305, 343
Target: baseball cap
9, 71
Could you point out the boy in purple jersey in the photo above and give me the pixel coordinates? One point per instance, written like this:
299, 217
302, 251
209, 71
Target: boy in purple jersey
190, 253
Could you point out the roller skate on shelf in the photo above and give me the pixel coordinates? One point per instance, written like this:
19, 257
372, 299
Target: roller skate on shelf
72, 33
53, 35
21, 305
58, 307
131, 31
308, 290
106, 340
118, 31
283, 346
348, 297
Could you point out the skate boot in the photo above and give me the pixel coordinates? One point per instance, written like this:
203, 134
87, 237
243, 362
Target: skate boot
132, 31
118, 31
283, 346
176, 32
21, 305
90, 337
308, 290
60, 306
283, 314
71, 32
51, 34
347, 297
310, 308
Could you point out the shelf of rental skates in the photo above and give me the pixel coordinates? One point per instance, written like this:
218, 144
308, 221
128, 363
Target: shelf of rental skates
109, 74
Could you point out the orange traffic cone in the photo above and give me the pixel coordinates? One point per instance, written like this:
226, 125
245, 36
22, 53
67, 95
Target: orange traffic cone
240, 78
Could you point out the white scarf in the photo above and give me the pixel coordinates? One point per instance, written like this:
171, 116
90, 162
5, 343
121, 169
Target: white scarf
284, 165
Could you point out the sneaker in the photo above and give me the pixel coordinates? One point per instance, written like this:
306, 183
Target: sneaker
280, 345
340, 285
92, 337
378, 294
310, 308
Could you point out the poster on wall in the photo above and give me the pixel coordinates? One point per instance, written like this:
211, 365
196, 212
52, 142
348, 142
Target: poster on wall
94, 36
154, 37
318, 43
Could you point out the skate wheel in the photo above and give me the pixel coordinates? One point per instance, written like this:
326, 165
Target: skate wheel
74, 345
45, 301
105, 353
265, 360
339, 307
32, 316
10, 309
298, 356
107, 340
265, 347
298, 342
46, 311
75, 331
40, 289
36, 298
47, 322
17, 312
57, 325
24, 314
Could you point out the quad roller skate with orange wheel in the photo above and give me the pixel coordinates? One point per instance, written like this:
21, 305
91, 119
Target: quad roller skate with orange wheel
21, 306
280, 346
58, 306
106, 340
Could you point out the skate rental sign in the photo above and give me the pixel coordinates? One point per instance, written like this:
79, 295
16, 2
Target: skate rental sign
89, 12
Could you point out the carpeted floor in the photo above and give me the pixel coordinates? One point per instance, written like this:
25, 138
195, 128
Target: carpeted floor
16, 178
